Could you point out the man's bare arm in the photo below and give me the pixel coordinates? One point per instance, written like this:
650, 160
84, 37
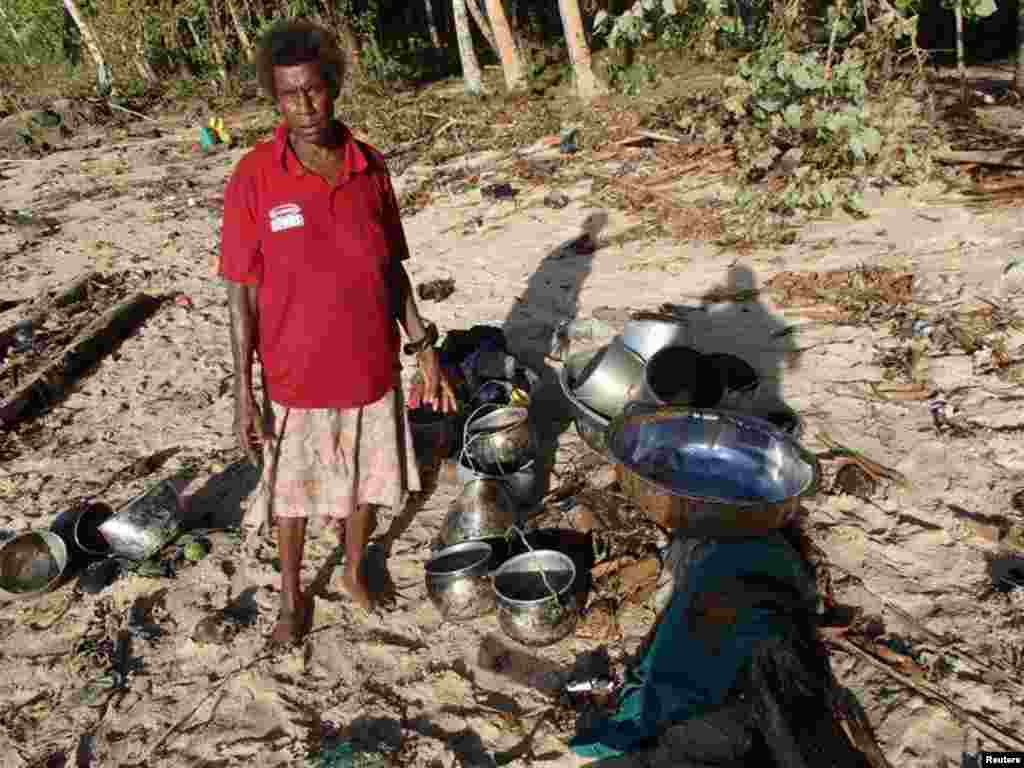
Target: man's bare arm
242, 310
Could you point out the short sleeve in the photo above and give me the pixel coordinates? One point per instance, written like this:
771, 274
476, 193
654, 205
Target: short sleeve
392, 219
241, 260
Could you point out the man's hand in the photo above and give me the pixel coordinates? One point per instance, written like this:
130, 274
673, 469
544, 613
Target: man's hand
250, 426
437, 390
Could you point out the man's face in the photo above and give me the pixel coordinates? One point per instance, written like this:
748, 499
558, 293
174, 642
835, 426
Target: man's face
306, 101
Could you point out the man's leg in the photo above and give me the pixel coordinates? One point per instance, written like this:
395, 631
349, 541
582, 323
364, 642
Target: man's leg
291, 538
358, 528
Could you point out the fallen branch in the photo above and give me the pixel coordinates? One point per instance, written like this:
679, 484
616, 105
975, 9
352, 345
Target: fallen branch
40, 307
1008, 158
97, 340
873, 468
928, 691
131, 112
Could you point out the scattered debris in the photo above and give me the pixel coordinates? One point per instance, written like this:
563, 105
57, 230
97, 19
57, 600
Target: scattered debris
501, 191
843, 296
567, 141
854, 481
436, 290
556, 200
873, 469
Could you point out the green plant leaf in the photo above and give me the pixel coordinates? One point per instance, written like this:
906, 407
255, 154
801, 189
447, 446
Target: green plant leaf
792, 116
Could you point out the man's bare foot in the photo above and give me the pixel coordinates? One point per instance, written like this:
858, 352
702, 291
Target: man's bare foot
355, 583
292, 624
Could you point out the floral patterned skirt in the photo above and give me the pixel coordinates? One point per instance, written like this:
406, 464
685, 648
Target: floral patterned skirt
324, 463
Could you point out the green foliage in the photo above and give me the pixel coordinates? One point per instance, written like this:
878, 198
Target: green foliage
631, 79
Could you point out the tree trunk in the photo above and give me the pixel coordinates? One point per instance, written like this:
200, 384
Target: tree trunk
588, 87
435, 36
91, 44
511, 60
1019, 78
482, 24
142, 62
470, 65
961, 67
243, 36
353, 48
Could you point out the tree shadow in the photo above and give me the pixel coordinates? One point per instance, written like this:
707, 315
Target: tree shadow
551, 296
222, 500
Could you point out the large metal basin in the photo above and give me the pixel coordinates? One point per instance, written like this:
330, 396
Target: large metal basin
528, 611
591, 426
710, 473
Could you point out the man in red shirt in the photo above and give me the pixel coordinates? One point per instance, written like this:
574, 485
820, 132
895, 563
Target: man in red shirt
312, 247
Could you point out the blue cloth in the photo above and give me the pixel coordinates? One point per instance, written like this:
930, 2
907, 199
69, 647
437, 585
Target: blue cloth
682, 675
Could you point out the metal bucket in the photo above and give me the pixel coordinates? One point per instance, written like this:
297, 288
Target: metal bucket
613, 376
646, 333
457, 581
522, 483
682, 376
145, 524
528, 611
591, 426
502, 437
31, 564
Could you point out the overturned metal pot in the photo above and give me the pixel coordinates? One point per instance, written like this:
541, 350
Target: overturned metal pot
711, 473
591, 426
145, 524
498, 436
612, 377
485, 509
458, 583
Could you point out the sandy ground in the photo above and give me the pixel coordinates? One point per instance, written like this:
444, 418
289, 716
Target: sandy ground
405, 679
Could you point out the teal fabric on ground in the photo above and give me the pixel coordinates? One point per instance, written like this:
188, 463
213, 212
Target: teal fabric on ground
680, 676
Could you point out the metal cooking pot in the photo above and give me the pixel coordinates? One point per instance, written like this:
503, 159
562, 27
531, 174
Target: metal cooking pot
500, 438
31, 564
521, 483
485, 509
711, 473
591, 426
613, 377
528, 611
145, 524
681, 376
457, 581
645, 333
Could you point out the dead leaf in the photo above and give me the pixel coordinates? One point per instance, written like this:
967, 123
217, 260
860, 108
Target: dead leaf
639, 580
600, 622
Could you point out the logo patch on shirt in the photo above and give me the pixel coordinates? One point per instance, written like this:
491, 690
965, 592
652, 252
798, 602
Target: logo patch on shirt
287, 216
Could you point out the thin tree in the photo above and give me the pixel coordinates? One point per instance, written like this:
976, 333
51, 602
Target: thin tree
1019, 78
243, 36
435, 36
467, 54
92, 44
482, 24
961, 67
588, 87
508, 51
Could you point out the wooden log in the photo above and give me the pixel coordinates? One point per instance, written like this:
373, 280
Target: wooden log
1007, 158
97, 340
42, 305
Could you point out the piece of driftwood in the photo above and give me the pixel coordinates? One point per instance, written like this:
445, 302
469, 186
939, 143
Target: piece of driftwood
42, 305
98, 339
1007, 158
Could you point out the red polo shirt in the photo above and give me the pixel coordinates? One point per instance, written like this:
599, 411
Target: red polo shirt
321, 255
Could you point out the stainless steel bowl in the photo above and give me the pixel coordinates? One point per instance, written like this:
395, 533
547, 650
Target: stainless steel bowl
483, 510
501, 437
591, 426
522, 483
711, 473
457, 581
31, 564
645, 333
613, 377
528, 611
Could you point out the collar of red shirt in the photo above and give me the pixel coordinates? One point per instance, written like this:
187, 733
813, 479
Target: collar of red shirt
353, 159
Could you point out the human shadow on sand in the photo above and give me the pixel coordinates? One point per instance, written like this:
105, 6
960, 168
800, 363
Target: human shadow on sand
732, 320
552, 296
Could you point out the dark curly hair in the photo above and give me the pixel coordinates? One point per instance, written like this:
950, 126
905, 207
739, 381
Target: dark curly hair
297, 41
